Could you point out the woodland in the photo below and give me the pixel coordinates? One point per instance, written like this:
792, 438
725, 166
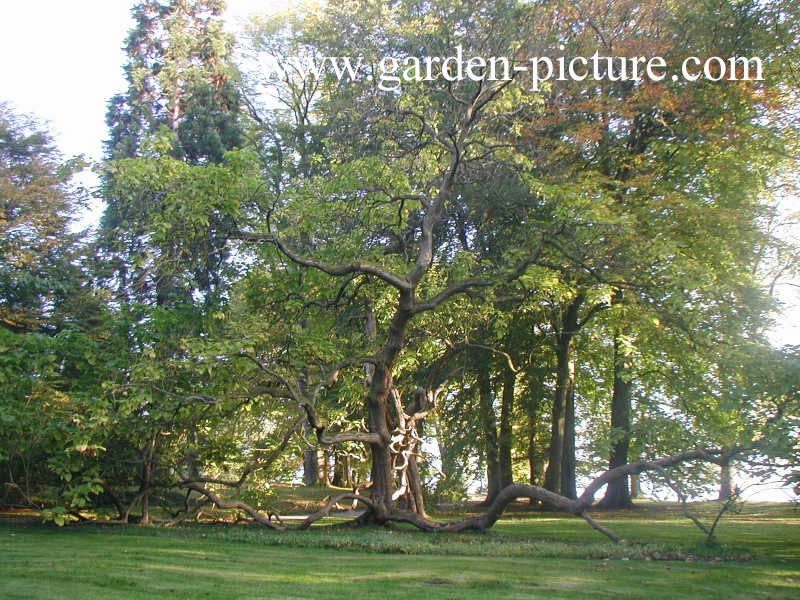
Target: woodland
414, 297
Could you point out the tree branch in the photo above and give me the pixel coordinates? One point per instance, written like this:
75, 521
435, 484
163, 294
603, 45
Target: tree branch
326, 509
224, 504
385, 275
458, 288
254, 466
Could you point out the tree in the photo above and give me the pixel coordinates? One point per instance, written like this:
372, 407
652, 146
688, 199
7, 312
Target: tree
49, 319
419, 206
183, 100
36, 246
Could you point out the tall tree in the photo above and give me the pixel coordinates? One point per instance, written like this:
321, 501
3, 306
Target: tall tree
183, 100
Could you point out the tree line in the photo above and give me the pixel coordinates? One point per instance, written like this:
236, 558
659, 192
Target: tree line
408, 291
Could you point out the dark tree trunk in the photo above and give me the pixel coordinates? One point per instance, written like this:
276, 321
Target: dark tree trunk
552, 478
380, 387
532, 406
560, 475
341, 471
310, 462
505, 441
488, 429
310, 467
618, 493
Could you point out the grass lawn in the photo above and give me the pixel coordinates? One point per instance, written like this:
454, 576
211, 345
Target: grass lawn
758, 557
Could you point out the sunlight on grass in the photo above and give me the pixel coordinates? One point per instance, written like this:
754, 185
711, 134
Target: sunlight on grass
516, 560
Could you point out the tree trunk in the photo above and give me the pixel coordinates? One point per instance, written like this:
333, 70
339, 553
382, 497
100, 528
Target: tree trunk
416, 501
560, 475
568, 462
147, 479
552, 478
324, 469
377, 405
310, 467
341, 471
310, 462
488, 428
618, 493
726, 480
506, 438
532, 406
636, 488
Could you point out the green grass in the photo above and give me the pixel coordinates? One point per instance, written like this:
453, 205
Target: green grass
541, 555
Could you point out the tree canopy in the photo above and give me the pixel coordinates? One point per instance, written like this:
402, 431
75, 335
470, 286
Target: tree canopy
556, 288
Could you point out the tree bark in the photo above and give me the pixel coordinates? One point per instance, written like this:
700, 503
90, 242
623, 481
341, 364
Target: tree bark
310, 462
377, 405
636, 487
341, 471
726, 480
532, 406
618, 493
568, 461
147, 478
488, 428
560, 475
506, 438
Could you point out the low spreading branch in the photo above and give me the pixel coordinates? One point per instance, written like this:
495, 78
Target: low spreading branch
331, 503
577, 507
257, 516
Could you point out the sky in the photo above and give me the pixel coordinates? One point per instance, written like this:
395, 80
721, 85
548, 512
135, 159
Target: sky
61, 61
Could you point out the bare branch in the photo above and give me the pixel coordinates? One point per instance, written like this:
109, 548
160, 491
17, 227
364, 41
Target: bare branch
329, 440
459, 288
238, 504
385, 275
326, 509
587, 498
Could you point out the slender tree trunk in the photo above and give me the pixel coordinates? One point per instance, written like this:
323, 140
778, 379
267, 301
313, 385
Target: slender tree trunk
147, 478
310, 462
324, 472
726, 480
636, 487
560, 475
489, 429
552, 478
532, 407
506, 438
618, 493
568, 461
415, 493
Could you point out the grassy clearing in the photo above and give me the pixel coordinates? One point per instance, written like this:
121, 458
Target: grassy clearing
517, 559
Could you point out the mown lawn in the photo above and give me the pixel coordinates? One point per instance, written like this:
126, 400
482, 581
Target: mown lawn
525, 556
